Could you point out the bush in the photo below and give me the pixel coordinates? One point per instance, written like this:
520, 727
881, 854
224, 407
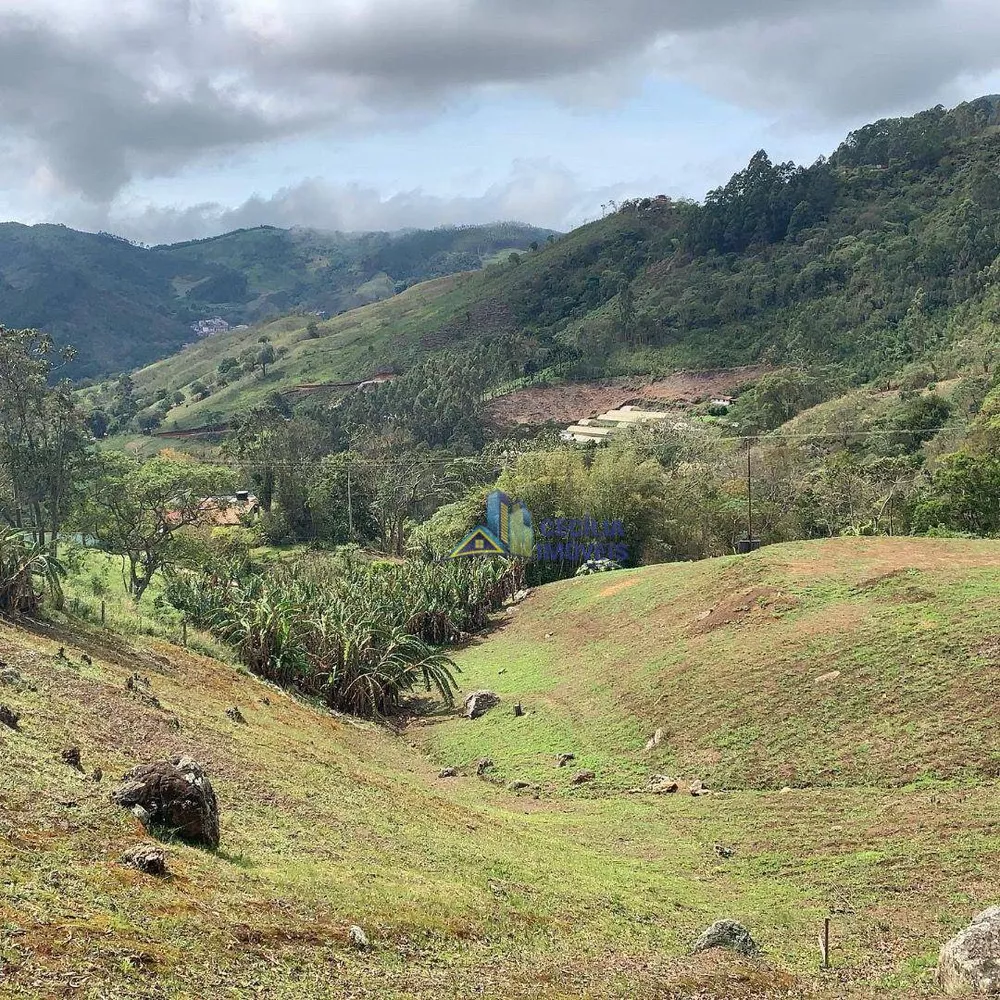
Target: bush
359, 636
27, 574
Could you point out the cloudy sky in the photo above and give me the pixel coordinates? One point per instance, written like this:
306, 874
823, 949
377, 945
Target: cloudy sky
171, 119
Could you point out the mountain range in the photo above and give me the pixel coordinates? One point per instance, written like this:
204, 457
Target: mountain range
122, 305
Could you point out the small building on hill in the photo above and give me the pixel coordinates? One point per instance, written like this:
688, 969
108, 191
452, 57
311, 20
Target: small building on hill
594, 430
225, 511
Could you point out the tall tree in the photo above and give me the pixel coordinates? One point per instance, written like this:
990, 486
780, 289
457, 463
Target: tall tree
134, 510
43, 435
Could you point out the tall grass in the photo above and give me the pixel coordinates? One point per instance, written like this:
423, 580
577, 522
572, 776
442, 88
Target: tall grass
27, 573
360, 636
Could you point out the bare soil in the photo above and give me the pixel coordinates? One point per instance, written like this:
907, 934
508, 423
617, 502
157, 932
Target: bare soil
572, 401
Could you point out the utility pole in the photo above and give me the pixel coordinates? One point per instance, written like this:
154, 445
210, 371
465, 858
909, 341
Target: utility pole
350, 509
749, 500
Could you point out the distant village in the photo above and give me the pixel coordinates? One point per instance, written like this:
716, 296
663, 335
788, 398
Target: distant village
210, 327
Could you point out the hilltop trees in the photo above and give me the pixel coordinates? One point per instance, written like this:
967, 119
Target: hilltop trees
43, 436
963, 495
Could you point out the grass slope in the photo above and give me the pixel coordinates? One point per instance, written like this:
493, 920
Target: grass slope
848, 662
468, 889
351, 346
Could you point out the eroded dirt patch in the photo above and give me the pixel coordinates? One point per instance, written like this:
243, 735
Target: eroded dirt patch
564, 404
759, 605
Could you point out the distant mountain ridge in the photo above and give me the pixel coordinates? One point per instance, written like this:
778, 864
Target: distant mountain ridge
122, 305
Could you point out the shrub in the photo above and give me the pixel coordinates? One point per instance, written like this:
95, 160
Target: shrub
359, 636
27, 573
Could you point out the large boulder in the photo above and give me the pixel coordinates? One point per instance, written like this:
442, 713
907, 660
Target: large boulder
172, 797
726, 934
480, 702
969, 963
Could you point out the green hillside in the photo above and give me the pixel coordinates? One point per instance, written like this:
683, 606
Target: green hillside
466, 888
848, 662
123, 305
878, 258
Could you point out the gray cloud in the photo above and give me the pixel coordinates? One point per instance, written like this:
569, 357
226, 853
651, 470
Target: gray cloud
116, 89
896, 58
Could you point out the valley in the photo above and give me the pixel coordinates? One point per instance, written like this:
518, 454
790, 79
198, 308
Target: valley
317, 677
874, 819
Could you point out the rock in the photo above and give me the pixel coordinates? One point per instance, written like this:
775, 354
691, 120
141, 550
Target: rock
142, 690
726, 934
564, 758
825, 678
448, 772
173, 796
518, 786
147, 858
9, 677
86, 659
235, 714
480, 702
582, 777
483, 765
662, 785
9, 717
71, 756
970, 962
98, 774
723, 851
358, 938
785, 790
655, 740
698, 788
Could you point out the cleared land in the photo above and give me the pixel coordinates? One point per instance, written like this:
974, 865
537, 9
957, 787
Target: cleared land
468, 889
573, 401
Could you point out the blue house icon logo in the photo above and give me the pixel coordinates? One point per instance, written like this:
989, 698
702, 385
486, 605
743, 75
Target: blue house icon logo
507, 532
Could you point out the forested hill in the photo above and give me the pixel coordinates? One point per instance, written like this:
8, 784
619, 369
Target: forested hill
123, 305
883, 253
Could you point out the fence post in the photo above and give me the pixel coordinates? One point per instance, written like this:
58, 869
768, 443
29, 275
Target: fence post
102, 612
184, 631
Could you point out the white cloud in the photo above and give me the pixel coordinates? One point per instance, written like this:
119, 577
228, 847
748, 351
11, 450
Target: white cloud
97, 96
540, 192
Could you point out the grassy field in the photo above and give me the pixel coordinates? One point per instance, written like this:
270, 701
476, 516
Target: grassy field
466, 888
839, 663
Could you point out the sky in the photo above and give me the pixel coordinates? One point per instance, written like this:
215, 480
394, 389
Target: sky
164, 120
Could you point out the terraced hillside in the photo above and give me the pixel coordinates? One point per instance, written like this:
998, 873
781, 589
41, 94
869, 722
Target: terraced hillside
467, 888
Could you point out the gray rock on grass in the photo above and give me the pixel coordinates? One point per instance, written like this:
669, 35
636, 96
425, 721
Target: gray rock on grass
480, 702
172, 797
969, 964
729, 934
